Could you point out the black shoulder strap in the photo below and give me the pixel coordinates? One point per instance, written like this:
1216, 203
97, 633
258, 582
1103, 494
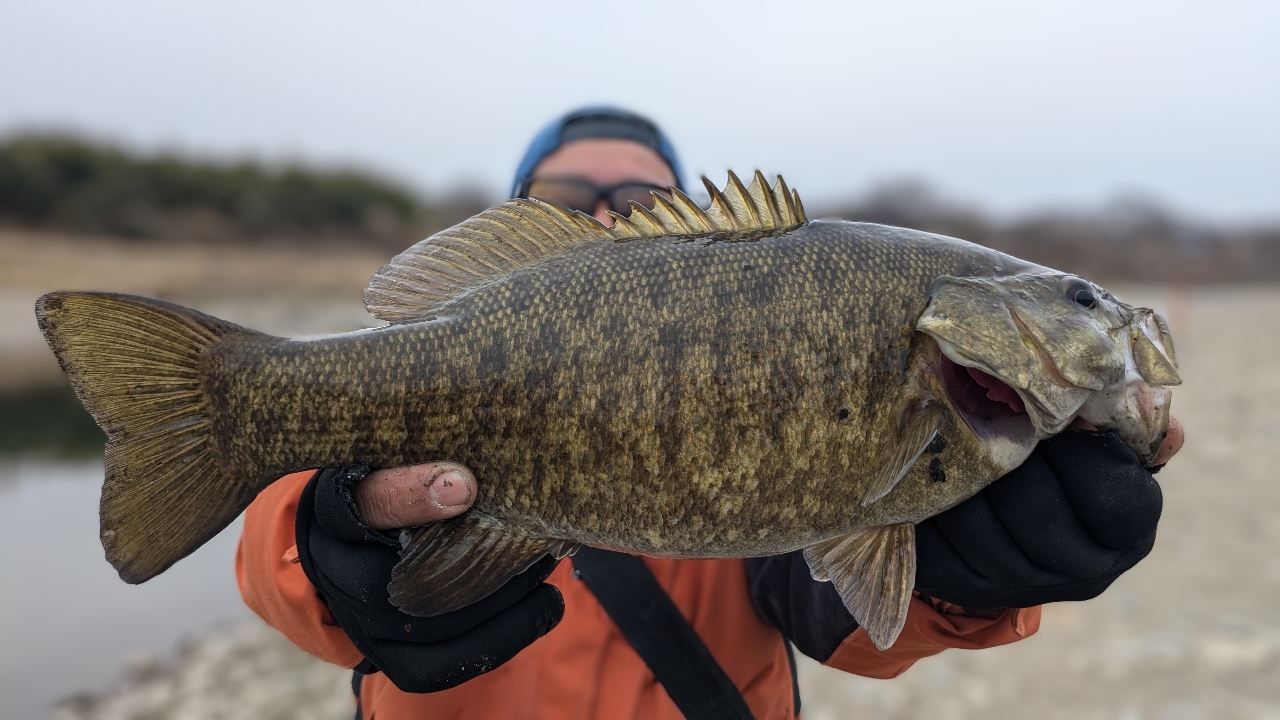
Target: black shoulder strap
667, 643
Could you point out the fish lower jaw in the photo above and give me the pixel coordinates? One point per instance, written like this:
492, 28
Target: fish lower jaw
1139, 412
1134, 407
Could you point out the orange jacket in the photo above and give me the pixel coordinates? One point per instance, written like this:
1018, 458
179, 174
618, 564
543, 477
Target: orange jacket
584, 668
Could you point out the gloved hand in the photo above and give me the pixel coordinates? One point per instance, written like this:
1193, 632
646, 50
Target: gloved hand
350, 562
1077, 514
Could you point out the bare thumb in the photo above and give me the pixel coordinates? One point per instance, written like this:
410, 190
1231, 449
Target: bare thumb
414, 494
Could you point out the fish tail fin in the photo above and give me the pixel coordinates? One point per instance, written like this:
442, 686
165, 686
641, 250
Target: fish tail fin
139, 367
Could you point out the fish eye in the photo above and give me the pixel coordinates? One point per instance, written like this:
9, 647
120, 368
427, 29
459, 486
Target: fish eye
1081, 294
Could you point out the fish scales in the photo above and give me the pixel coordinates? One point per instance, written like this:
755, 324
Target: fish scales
729, 382
683, 385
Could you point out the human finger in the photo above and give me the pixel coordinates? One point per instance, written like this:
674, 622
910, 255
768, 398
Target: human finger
414, 494
1172, 443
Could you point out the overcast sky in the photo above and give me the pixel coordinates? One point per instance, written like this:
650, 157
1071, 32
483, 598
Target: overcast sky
1006, 103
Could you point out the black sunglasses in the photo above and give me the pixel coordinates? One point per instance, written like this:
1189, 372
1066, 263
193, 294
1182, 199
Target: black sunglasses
574, 193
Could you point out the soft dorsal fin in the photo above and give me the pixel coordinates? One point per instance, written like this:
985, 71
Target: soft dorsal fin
522, 232
477, 251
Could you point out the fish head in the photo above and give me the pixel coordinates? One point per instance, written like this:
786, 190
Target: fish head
1024, 355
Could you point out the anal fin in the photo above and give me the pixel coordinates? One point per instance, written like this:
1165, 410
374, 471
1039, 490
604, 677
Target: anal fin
874, 571
914, 439
453, 563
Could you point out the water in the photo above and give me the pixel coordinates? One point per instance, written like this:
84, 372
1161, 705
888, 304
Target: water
67, 622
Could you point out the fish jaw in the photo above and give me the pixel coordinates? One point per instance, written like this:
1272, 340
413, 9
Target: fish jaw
1138, 405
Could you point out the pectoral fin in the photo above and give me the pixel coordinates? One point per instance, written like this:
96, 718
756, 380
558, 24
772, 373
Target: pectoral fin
874, 570
451, 564
894, 464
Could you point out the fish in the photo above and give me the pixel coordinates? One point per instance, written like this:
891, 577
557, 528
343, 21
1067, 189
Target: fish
721, 382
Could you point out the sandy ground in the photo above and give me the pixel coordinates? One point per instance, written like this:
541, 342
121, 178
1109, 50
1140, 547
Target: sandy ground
1190, 633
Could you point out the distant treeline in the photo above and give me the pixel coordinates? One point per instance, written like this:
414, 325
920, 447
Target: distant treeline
67, 183
1132, 240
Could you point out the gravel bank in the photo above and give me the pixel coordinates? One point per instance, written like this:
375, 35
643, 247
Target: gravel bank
242, 672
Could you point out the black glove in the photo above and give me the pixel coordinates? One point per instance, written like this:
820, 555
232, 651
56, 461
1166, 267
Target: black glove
1076, 515
350, 565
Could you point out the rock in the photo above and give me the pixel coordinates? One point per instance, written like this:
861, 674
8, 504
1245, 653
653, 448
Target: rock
244, 671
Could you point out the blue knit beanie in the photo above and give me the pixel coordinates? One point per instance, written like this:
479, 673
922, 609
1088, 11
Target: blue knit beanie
596, 122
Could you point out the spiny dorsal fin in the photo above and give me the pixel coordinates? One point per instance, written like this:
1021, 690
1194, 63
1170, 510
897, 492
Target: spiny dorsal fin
522, 232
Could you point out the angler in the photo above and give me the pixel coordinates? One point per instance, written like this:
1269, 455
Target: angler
827, 387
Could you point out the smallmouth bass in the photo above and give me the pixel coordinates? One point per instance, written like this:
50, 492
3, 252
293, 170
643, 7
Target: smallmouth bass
822, 385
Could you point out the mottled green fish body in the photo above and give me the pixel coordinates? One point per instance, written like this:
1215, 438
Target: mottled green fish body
662, 396
724, 383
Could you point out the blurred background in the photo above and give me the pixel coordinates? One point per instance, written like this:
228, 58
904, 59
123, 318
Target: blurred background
259, 161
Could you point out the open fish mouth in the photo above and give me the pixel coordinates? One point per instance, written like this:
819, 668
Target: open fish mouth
991, 408
978, 394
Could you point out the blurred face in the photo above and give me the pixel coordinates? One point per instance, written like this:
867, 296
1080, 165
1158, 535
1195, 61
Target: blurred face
605, 162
